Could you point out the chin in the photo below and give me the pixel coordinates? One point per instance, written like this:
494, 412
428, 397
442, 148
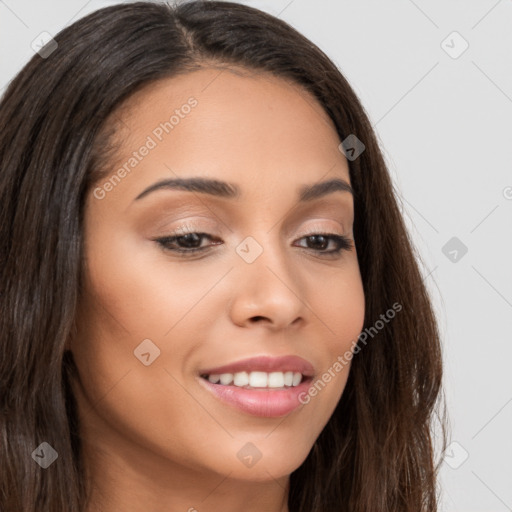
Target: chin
261, 459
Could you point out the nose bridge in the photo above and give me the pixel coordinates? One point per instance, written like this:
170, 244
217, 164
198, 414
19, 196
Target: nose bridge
264, 250
267, 285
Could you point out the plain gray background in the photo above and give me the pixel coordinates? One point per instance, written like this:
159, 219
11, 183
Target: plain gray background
443, 113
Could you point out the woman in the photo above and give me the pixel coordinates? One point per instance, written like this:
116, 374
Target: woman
209, 298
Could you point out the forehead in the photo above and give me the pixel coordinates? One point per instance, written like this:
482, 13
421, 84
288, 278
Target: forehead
237, 125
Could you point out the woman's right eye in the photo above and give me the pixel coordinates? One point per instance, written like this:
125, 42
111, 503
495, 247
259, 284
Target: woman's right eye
185, 243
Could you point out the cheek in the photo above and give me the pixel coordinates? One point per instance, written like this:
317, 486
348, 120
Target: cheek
138, 304
339, 303
146, 292
135, 295
143, 299
340, 309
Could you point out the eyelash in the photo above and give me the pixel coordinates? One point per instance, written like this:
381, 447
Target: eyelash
343, 243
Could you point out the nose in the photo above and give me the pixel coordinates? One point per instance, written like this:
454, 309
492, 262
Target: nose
268, 292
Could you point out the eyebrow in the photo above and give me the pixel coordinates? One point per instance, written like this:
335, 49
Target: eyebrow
227, 190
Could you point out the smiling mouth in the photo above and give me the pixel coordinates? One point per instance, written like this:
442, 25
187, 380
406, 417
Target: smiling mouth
262, 386
257, 379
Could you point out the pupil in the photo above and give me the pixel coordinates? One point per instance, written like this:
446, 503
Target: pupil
318, 238
191, 237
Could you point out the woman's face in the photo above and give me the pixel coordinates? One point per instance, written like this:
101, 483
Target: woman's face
260, 299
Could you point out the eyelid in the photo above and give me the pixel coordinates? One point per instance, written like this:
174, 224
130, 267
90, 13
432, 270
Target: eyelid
318, 228
192, 227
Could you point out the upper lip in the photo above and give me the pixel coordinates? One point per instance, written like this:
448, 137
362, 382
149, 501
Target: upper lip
265, 364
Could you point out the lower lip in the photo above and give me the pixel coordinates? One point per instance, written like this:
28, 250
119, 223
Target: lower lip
264, 402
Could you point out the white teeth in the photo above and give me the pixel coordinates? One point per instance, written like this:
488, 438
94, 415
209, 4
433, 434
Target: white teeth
241, 379
226, 378
297, 377
276, 380
257, 379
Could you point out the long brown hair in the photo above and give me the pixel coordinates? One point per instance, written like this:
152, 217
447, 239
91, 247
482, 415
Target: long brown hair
377, 451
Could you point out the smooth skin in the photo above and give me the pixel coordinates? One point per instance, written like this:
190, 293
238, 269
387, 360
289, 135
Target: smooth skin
154, 438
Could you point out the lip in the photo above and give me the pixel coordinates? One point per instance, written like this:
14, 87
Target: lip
262, 402
265, 364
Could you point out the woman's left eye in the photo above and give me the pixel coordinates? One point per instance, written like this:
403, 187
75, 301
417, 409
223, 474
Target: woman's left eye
188, 243
341, 242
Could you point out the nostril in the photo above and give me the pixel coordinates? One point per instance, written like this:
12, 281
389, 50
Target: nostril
256, 318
